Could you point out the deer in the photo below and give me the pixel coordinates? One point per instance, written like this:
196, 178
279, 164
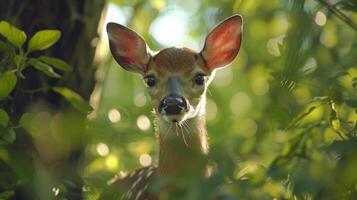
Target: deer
177, 80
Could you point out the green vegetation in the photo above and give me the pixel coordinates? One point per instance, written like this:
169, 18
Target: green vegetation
282, 119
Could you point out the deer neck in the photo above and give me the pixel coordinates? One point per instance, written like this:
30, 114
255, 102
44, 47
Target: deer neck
183, 147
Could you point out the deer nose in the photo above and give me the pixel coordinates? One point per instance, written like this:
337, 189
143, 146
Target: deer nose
173, 104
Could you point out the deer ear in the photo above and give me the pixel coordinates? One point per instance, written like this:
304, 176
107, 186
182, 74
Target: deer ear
128, 48
223, 43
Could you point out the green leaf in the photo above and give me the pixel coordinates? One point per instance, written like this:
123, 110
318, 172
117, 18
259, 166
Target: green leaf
43, 40
25, 121
75, 99
16, 36
321, 98
7, 135
336, 124
4, 118
7, 83
300, 117
43, 67
56, 63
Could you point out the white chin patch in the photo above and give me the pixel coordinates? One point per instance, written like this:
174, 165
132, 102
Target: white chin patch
174, 118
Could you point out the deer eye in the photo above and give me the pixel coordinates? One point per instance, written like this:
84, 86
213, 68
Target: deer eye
150, 80
199, 79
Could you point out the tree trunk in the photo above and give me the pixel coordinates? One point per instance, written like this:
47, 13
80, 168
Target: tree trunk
78, 21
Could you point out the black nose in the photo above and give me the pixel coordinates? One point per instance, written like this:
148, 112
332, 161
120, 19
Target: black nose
173, 104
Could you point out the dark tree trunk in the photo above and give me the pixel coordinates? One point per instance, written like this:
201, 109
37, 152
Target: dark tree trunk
77, 20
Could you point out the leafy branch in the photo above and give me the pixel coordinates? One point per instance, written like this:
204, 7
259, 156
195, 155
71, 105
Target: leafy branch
17, 59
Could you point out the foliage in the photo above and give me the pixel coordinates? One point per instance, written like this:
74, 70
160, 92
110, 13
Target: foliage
281, 113
14, 61
282, 119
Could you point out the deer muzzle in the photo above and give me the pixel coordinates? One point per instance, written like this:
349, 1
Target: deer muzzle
173, 104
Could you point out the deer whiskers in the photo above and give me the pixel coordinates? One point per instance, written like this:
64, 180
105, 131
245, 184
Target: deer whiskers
168, 130
180, 126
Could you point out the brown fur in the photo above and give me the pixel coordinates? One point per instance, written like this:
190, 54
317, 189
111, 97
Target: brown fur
175, 71
173, 60
175, 155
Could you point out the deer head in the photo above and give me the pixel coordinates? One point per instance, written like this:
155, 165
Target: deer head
177, 78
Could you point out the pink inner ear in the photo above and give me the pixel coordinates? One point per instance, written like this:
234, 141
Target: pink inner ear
128, 48
124, 41
223, 43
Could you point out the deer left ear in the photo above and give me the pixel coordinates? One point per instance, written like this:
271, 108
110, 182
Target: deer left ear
223, 43
128, 48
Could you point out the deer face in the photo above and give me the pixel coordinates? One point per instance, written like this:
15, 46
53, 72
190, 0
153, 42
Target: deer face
177, 78
177, 81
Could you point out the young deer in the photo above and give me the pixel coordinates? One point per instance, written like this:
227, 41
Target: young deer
177, 81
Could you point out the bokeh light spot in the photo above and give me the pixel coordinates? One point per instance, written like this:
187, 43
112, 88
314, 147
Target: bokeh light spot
145, 160
260, 86
240, 104
114, 115
140, 100
273, 48
112, 163
169, 28
320, 18
140, 147
114, 14
143, 123
158, 4
102, 149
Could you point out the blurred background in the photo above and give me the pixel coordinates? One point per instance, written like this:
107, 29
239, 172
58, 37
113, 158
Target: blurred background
282, 118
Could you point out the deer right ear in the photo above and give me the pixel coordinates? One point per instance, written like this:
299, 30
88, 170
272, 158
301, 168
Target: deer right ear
128, 48
223, 43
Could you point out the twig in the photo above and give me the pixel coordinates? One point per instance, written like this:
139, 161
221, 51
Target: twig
339, 14
37, 90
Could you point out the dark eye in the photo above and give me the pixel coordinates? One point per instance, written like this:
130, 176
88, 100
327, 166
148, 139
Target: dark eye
200, 79
150, 80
